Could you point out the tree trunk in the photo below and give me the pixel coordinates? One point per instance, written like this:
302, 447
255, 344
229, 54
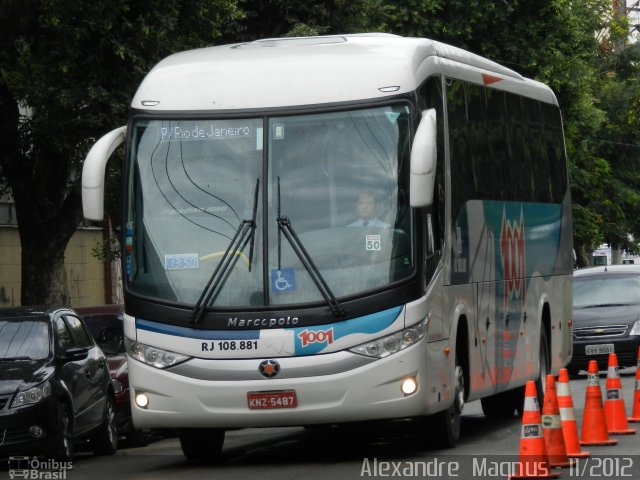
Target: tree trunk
44, 241
44, 278
47, 206
616, 256
583, 255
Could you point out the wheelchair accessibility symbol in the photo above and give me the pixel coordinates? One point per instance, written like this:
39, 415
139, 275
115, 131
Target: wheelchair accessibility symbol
283, 280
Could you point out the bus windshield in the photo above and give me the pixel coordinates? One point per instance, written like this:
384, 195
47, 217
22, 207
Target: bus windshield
338, 180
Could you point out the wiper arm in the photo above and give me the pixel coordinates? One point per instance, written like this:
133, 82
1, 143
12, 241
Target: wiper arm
244, 234
597, 305
14, 359
285, 227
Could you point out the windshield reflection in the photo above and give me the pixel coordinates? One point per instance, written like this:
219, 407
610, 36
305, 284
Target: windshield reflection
24, 339
606, 290
191, 185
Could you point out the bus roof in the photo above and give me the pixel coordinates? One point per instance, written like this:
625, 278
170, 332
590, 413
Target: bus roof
302, 71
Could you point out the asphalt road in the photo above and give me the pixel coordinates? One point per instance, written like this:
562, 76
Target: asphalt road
487, 449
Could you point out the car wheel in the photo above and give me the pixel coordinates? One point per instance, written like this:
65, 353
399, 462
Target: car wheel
62, 449
201, 444
105, 440
573, 371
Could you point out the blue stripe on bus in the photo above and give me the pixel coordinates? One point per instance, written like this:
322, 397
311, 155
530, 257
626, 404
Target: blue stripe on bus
197, 333
371, 323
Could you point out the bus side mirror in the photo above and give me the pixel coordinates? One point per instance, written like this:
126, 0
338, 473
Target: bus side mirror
423, 161
93, 173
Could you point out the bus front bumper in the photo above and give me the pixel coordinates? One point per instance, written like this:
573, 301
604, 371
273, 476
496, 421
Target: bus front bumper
368, 392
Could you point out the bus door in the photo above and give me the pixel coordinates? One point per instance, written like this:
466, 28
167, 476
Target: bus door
498, 331
473, 264
487, 326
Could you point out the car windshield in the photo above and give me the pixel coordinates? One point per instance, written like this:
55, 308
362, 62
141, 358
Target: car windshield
607, 289
107, 330
24, 339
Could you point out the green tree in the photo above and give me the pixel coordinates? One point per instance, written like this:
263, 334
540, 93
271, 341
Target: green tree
68, 70
553, 41
287, 18
618, 143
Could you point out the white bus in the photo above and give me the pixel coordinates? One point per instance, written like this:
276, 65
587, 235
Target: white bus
255, 296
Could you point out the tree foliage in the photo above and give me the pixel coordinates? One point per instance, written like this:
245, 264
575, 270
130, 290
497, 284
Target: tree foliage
574, 47
68, 70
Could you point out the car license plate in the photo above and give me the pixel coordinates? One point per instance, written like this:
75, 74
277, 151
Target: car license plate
599, 349
272, 399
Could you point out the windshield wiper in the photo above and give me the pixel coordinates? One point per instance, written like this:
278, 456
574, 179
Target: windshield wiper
285, 228
14, 359
606, 305
244, 234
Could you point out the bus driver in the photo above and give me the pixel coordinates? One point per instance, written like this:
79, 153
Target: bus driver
367, 211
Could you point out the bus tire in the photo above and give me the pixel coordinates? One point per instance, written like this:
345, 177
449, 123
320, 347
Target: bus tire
201, 444
500, 405
518, 399
545, 365
448, 422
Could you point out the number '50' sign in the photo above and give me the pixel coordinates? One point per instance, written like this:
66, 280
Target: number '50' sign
372, 242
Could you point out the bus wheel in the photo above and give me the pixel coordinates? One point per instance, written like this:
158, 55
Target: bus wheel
201, 444
448, 421
500, 405
545, 366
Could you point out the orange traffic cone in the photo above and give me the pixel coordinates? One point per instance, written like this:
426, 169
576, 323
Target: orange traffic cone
569, 425
635, 415
594, 425
553, 437
614, 409
533, 462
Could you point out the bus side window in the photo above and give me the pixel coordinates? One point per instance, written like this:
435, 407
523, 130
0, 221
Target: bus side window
430, 96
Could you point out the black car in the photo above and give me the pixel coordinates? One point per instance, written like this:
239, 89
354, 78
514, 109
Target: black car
105, 324
55, 388
606, 316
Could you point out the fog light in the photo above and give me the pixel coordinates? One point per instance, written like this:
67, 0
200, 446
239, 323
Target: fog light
36, 431
409, 386
142, 400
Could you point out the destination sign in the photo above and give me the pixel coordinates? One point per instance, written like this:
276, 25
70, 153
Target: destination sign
202, 132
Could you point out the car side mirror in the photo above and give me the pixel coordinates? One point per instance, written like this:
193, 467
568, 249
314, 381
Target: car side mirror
75, 353
423, 161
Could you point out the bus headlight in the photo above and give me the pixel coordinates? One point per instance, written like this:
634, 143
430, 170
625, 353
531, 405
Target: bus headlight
156, 357
385, 346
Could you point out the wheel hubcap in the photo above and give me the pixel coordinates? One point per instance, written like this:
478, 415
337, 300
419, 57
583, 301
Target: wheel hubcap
113, 435
458, 403
66, 443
